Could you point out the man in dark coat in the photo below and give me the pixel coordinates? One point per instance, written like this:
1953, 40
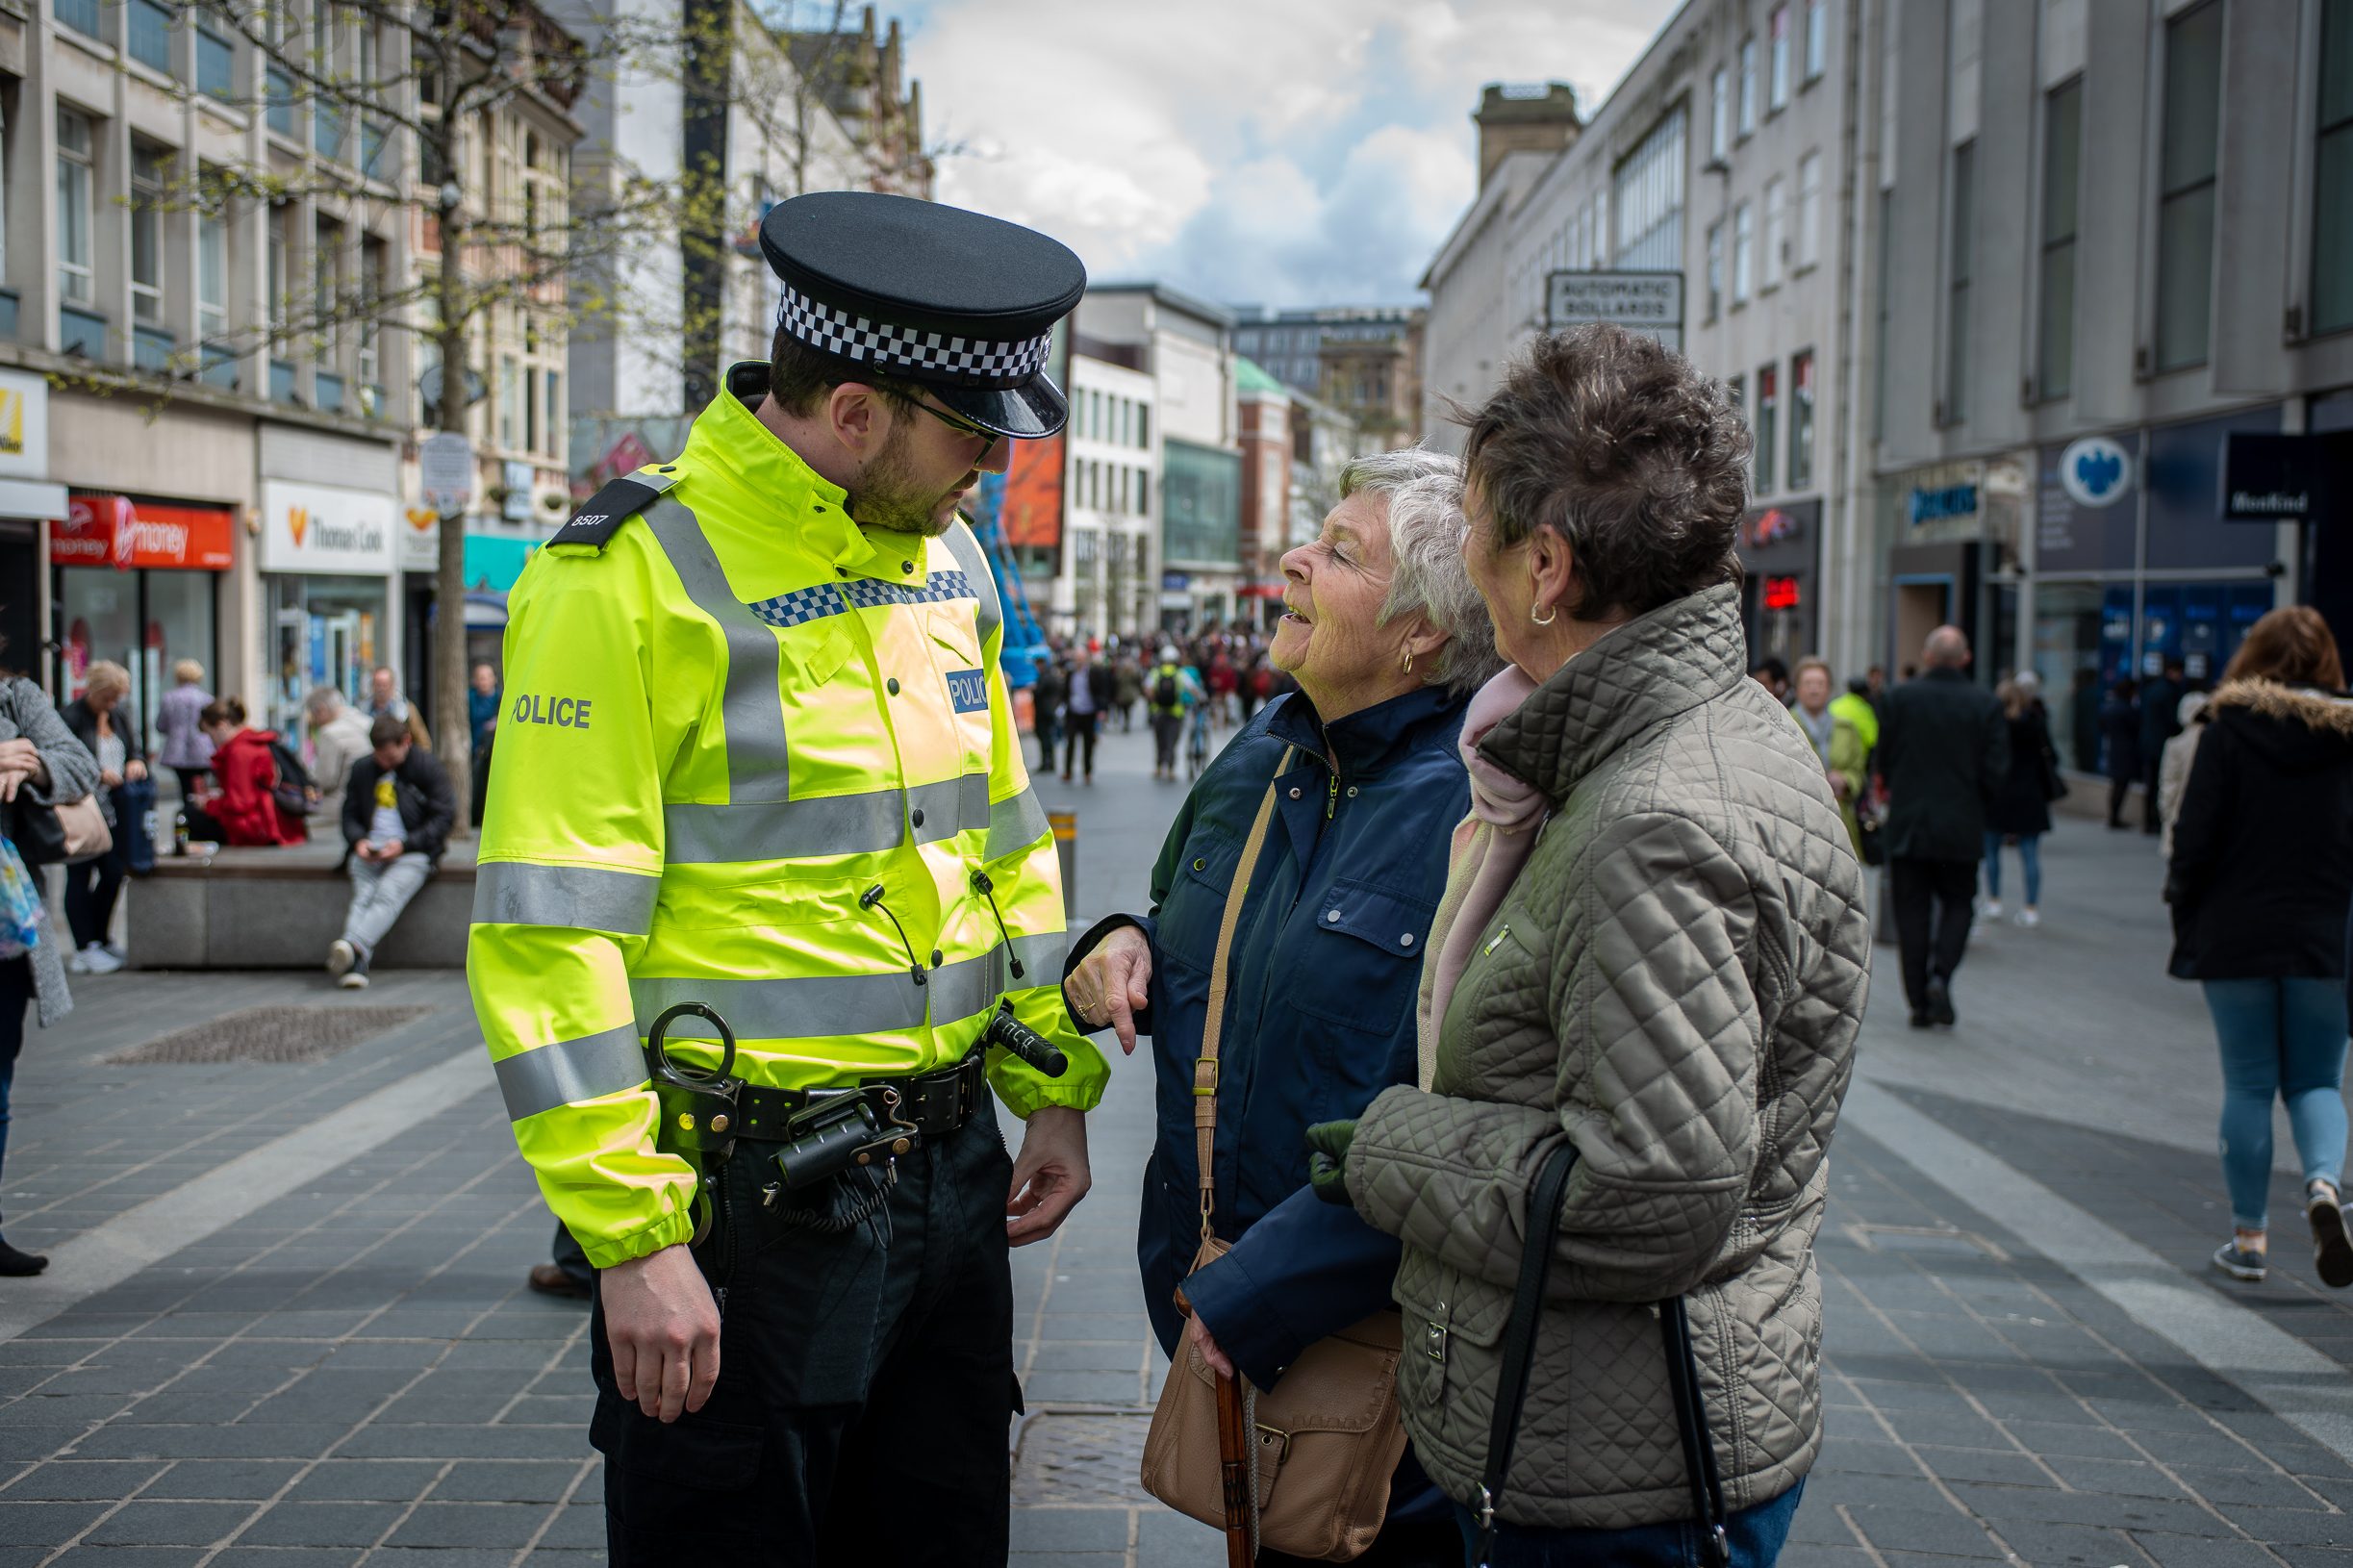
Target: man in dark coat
397, 812
1944, 752
2161, 719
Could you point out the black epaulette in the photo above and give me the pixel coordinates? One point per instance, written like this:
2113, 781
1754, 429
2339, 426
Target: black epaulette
603, 514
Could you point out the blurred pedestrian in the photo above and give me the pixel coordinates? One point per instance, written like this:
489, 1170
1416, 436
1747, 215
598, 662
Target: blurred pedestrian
93, 886
338, 737
244, 809
2021, 810
483, 696
2259, 882
179, 719
1172, 694
2161, 702
1835, 741
1127, 690
41, 764
2173, 768
1944, 752
1090, 695
384, 698
1047, 699
2120, 746
1773, 675
398, 813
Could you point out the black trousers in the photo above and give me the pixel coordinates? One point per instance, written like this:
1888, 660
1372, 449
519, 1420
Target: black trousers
1399, 1545
91, 888
865, 1384
15, 1001
1168, 728
2152, 820
1081, 731
1935, 901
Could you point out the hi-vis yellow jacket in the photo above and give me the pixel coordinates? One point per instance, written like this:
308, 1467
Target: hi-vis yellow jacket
722, 729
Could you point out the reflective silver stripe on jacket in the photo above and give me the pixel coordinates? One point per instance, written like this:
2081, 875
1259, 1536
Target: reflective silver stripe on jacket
566, 1071
752, 707
967, 551
705, 834
809, 1006
1015, 824
588, 897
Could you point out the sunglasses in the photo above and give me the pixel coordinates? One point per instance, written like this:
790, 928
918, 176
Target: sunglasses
961, 426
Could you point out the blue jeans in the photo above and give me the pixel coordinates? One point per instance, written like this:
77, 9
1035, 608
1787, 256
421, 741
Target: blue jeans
2283, 1039
1757, 1535
2030, 856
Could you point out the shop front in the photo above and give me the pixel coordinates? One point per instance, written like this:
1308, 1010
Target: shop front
1781, 554
1954, 561
2135, 566
136, 581
327, 567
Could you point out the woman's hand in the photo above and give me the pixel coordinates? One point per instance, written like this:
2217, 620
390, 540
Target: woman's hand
1219, 1362
1112, 984
109, 779
135, 770
21, 756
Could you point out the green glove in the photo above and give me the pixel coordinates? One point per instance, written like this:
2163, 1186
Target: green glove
1328, 1159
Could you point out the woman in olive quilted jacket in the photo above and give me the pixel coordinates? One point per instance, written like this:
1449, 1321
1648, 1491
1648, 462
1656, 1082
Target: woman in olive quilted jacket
1671, 985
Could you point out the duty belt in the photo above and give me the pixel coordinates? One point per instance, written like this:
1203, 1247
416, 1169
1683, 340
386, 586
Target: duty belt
934, 1105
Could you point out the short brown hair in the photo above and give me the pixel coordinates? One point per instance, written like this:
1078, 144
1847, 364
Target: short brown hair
799, 376
225, 710
387, 729
2292, 646
1628, 453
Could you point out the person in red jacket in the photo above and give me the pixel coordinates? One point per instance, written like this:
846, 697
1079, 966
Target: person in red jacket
242, 807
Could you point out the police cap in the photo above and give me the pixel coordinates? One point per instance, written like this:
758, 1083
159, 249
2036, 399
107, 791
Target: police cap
961, 304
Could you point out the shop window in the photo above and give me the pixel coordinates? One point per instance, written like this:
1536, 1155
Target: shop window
2332, 293
1817, 37
76, 178
1768, 427
1959, 255
2062, 141
1779, 32
1744, 226
2186, 204
1801, 420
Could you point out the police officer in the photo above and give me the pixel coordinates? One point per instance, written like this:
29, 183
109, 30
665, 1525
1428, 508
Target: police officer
757, 756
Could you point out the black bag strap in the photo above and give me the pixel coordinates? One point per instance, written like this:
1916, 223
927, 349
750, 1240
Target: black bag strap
1520, 1339
1519, 1360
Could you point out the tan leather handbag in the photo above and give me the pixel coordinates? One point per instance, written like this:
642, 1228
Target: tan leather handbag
87, 835
1326, 1440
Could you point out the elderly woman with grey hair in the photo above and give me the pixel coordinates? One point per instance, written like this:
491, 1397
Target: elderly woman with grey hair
1359, 781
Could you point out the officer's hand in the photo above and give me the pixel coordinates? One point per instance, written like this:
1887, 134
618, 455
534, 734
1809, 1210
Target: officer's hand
1327, 1144
1112, 984
1051, 1174
663, 1329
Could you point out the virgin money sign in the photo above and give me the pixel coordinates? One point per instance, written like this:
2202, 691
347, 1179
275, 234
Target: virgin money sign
118, 532
327, 528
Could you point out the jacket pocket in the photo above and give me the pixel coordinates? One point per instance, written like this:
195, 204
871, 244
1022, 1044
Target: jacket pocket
1365, 959
1187, 929
1454, 1324
956, 657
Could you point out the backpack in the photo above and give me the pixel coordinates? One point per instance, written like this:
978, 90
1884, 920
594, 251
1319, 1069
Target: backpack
1167, 695
291, 788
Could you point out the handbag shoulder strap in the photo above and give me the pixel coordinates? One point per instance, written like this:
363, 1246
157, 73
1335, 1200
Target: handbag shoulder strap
1520, 1338
1213, 1027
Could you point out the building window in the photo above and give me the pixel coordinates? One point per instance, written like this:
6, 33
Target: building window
212, 275
556, 422
82, 15
1779, 29
1735, 394
1879, 339
75, 179
1743, 237
1809, 211
150, 171
147, 32
1817, 37
2186, 202
509, 401
1649, 192
1716, 268
1776, 230
1768, 429
1143, 420
2333, 178
2062, 141
1748, 86
215, 65
1720, 113
1957, 276
1801, 420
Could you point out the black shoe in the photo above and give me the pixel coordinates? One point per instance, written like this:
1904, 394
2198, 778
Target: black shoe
16, 1265
1921, 1020
1940, 1003
2332, 1244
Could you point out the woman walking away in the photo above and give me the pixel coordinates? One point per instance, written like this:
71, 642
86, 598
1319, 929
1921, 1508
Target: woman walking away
179, 719
2120, 744
1665, 991
1351, 790
93, 886
2260, 875
41, 764
2021, 809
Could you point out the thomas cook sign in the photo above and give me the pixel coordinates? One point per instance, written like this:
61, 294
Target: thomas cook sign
327, 528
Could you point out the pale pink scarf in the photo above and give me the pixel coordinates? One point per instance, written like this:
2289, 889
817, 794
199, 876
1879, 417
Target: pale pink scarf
1489, 847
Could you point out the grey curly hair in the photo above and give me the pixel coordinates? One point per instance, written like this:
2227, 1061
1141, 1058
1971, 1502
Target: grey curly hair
1424, 490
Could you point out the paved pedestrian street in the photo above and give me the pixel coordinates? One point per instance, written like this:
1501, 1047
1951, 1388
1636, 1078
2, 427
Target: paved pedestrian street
287, 1324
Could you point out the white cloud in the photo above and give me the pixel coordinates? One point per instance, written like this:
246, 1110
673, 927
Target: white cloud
1284, 151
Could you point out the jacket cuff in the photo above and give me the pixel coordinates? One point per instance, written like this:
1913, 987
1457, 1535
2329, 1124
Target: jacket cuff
667, 1231
1243, 1320
1369, 1148
1079, 949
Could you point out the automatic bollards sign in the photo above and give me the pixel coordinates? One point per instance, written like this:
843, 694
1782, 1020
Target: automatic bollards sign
327, 528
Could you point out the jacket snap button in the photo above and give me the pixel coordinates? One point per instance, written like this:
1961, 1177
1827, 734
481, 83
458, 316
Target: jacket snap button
892, 686
1352, 792
916, 816
936, 956
1200, 865
906, 565
1294, 792
1406, 940
1333, 915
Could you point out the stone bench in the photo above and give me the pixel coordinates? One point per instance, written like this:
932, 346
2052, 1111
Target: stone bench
278, 908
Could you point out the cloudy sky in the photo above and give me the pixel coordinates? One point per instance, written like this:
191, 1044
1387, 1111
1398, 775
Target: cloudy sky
1287, 152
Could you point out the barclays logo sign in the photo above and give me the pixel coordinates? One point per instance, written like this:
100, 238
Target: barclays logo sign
2095, 472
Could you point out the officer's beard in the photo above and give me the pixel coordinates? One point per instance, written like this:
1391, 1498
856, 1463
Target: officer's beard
889, 498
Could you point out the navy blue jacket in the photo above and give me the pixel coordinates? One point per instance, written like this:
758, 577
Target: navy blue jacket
1325, 961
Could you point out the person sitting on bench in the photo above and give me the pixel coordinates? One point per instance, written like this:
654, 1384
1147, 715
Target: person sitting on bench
397, 812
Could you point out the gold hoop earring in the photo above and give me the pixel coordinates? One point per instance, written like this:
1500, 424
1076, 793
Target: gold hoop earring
1409, 661
1544, 619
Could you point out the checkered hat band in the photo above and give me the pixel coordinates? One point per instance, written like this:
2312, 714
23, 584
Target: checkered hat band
973, 360
798, 609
